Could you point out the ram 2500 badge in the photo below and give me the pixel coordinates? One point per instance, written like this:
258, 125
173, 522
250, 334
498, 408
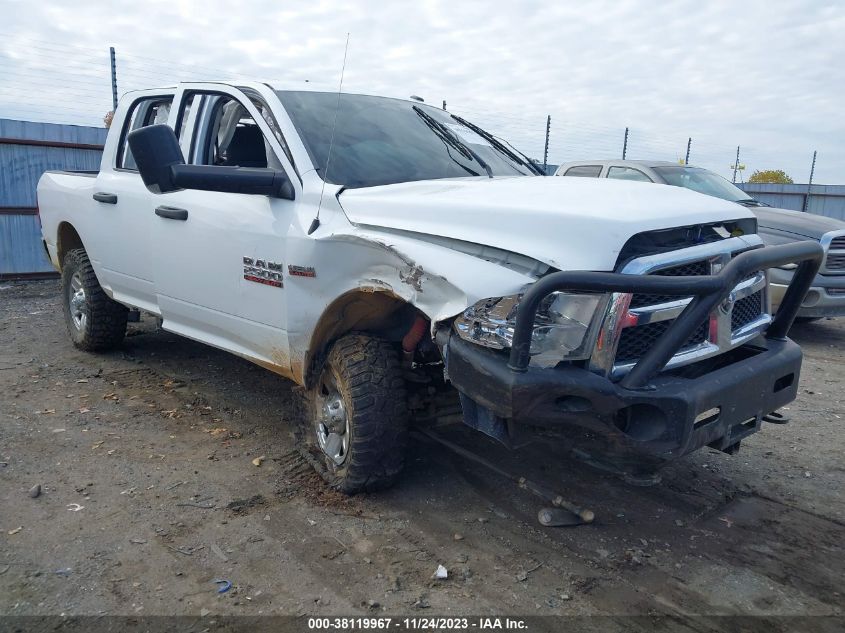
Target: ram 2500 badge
403, 258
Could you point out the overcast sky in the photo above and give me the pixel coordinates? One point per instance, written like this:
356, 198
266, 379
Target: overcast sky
764, 75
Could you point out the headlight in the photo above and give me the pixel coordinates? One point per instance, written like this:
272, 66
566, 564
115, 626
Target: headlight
564, 329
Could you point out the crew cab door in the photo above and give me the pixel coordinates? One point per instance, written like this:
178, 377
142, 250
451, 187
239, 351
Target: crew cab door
219, 258
121, 204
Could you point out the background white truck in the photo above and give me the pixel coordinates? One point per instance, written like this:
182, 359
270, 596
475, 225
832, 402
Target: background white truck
385, 255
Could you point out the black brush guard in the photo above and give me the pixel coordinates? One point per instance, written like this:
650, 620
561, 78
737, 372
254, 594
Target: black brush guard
708, 292
650, 417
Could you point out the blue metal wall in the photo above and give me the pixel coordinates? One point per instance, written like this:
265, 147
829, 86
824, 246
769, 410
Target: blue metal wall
826, 200
21, 165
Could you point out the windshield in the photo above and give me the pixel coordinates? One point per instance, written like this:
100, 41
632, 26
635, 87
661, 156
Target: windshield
380, 141
702, 181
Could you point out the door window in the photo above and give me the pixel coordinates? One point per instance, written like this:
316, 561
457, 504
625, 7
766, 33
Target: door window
145, 111
225, 133
584, 171
627, 173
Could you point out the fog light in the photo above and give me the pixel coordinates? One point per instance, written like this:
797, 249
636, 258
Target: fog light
811, 299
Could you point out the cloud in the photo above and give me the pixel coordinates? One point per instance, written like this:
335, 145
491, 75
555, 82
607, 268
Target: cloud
763, 75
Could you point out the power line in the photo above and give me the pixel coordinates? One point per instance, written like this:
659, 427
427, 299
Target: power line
72, 83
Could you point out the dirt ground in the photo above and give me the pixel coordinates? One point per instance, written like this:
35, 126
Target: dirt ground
149, 496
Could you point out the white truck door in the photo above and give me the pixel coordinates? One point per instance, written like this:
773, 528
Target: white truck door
219, 258
121, 204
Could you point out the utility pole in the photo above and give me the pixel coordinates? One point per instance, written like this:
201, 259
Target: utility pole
810, 185
736, 164
546, 151
625, 145
113, 79
689, 145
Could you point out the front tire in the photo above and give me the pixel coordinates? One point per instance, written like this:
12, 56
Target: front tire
359, 416
94, 321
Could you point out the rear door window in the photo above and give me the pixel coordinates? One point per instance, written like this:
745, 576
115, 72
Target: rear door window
145, 111
627, 173
584, 171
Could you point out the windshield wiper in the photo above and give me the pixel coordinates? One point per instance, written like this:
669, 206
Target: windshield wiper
749, 202
449, 146
447, 136
531, 163
497, 144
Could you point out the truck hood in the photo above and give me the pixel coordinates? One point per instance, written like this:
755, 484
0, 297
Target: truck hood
796, 222
567, 223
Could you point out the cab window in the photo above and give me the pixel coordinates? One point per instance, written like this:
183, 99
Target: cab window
627, 173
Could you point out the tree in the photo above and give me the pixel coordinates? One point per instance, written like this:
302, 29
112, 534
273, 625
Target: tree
777, 176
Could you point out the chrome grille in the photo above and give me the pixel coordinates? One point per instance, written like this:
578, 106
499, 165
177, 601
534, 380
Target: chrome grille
636, 341
834, 246
635, 322
747, 310
641, 300
838, 243
684, 270
835, 261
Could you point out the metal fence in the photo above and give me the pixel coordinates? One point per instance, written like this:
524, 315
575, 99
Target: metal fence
27, 150
826, 200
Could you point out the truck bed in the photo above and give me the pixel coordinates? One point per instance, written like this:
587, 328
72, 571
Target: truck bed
88, 173
64, 196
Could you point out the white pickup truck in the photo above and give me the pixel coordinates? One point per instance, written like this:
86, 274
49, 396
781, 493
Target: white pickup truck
388, 256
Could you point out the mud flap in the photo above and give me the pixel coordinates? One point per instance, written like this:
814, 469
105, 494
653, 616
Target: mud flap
482, 419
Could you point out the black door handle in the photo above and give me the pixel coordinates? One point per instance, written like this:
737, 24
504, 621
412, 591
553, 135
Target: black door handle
108, 198
172, 213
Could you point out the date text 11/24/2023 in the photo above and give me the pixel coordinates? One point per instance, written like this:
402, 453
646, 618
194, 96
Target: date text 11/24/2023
416, 623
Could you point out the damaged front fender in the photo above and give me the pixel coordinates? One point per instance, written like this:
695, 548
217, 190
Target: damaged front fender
367, 276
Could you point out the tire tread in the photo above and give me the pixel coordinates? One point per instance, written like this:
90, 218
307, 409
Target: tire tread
371, 380
106, 326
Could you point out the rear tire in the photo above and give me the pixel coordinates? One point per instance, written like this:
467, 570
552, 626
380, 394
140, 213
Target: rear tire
94, 321
358, 424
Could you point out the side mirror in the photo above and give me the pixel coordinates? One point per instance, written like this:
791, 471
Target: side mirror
162, 167
156, 151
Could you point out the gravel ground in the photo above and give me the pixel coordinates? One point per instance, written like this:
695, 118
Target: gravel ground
149, 494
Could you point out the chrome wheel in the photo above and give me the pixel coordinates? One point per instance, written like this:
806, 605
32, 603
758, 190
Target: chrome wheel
78, 302
332, 425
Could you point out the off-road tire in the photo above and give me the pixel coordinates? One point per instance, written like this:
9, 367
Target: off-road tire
368, 376
105, 324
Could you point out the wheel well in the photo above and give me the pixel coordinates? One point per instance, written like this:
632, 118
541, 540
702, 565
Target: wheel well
67, 239
377, 312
